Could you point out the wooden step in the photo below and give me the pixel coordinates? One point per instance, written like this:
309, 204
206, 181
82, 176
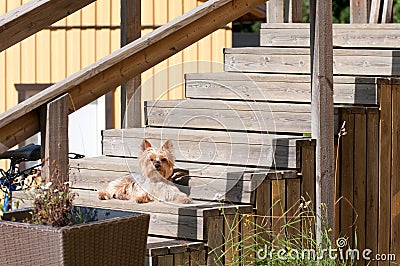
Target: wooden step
297, 61
214, 147
185, 221
229, 115
205, 182
344, 35
277, 87
170, 251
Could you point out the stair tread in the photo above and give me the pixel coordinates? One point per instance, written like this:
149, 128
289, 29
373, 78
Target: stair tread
277, 87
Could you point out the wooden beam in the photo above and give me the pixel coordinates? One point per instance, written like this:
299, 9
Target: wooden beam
358, 11
275, 11
115, 69
131, 96
322, 125
34, 16
374, 13
56, 165
387, 12
295, 12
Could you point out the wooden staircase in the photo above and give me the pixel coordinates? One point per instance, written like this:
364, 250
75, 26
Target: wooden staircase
239, 137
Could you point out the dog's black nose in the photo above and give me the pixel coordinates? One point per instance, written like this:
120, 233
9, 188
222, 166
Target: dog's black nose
157, 165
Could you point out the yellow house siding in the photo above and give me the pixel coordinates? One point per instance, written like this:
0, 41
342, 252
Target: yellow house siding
92, 33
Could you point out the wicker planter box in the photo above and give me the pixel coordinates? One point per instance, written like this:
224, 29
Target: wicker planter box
114, 238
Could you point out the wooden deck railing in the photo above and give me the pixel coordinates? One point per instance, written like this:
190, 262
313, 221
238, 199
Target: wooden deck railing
85, 86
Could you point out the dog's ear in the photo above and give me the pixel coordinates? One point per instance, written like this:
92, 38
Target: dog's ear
167, 146
145, 144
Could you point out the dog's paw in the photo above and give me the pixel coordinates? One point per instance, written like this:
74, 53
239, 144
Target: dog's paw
186, 200
103, 195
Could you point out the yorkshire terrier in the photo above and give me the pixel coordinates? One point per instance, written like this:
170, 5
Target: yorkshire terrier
153, 185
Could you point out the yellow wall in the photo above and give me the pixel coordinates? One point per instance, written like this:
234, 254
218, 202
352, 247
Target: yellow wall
74, 42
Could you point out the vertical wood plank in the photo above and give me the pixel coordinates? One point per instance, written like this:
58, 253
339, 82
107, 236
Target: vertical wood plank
56, 166
374, 13
198, 258
58, 52
308, 173
204, 51
263, 208
385, 154
278, 209
387, 12
295, 11
161, 69
360, 173
322, 112
395, 182
337, 187
131, 99
175, 75
43, 51
190, 53
347, 176
293, 193
182, 259
215, 225
275, 11
28, 64
372, 179
231, 233
218, 42
358, 11
248, 238
73, 45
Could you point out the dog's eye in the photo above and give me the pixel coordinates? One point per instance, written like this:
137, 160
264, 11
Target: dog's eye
152, 159
163, 160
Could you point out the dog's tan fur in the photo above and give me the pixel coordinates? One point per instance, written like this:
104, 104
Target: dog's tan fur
156, 166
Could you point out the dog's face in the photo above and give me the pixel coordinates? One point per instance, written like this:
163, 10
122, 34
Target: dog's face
153, 161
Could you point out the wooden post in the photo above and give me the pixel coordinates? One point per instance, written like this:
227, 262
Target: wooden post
387, 13
131, 100
275, 11
295, 12
374, 13
358, 11
322, 125
55, 137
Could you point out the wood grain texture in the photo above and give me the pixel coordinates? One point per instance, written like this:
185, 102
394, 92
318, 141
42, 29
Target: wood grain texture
134, 58
358, 11
275, 11
56, 166
215, 240
219, 148
126, 165
360, 173
171, 220
229, 115
372, 180
33, 16
297, 60
375, 8
344, 35
276, 87
347, 178
385, 168
395, 176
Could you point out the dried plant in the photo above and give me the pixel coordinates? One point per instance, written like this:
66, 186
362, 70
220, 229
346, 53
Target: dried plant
53, 205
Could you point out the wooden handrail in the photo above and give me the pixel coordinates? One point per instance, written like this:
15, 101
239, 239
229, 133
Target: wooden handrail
85, 86
35, 15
